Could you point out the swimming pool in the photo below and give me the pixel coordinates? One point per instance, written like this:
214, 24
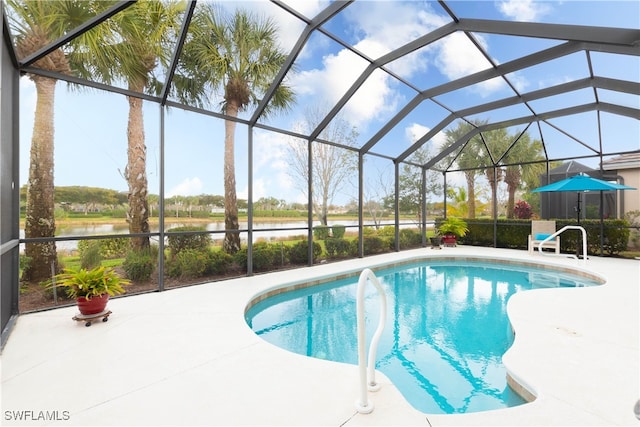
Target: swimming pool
445, 334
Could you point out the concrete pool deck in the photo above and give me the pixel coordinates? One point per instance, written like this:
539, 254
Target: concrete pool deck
187, 357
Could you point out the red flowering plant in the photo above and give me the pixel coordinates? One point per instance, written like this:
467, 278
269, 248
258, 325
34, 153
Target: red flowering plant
522, 210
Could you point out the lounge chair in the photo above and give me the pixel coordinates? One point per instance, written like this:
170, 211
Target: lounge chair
540, 230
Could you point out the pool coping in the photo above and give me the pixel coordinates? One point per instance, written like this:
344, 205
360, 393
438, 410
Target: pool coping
161, 371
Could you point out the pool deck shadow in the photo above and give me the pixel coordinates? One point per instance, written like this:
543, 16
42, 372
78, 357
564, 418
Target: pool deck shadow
187, 357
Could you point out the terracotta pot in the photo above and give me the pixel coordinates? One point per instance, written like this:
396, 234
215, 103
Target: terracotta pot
449, 239
93, 305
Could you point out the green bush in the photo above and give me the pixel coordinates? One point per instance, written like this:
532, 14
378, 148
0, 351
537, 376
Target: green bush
513, 233
375, 245
321, 232
218, 262
193, 263
108, 248
188, 263
266, 256
410, 238
336, 247
191, 240
24, 262
387, 231
337, 231
90, 255
138, 265
299, 253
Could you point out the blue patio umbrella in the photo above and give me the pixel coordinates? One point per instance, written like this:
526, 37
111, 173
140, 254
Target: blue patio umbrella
582, 183
579, 184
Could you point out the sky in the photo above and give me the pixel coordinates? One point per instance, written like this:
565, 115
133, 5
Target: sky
90, 126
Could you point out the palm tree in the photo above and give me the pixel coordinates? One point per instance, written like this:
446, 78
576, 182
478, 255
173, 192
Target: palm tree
130, 47
236, 54
497, 142
469, 158
36, 24
524, 150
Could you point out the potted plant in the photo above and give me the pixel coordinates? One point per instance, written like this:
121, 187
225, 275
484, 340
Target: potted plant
451, 229
436, 240
90, 288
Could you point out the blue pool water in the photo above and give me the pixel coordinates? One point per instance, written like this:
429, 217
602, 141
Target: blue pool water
445, 335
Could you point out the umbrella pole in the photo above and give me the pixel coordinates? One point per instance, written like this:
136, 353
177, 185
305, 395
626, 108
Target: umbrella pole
579, 245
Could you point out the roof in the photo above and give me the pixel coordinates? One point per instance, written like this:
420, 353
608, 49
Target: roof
571, 80
571, 168
624, 161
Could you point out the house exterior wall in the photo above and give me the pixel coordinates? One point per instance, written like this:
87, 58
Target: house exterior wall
631, 177
627, 168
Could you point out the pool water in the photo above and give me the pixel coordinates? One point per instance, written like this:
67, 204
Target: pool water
445, 334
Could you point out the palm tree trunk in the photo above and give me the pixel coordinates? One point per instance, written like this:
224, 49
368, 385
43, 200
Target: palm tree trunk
40, 219
471, 190
136, 174
513, 180
231, 242
491, 174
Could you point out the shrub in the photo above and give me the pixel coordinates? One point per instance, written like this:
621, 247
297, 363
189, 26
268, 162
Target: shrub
321, 232
375, 245
24, 262
387, 231
336, 247
218, 262
337, 231
265, 256
299, 253
108, 248
410, 238
188, 263
90, 255
138, 265
191, 240
191, 263
522, 210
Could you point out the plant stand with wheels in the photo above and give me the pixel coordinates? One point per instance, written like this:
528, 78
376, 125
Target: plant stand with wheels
89, 318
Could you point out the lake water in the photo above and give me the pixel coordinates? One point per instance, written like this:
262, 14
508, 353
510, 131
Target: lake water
273, 230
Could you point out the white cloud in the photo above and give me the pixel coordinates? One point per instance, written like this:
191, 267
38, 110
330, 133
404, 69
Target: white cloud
458, 57
188, 187
258, 190
309, 8
337, 74
380, 28
523, 10
271, 176
28, 96
389, 25
417, 131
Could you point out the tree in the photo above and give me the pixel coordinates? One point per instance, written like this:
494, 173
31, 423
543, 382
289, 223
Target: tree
497, 142
410, 185
236, 54
129, 47
37, 24
469, 158
331, 165
523, 150
269, 204
378, 193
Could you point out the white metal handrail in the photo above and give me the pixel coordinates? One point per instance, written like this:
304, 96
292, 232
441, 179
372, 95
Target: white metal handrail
363, 404
568, 227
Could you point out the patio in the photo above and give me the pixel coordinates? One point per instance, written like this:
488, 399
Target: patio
187, 357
